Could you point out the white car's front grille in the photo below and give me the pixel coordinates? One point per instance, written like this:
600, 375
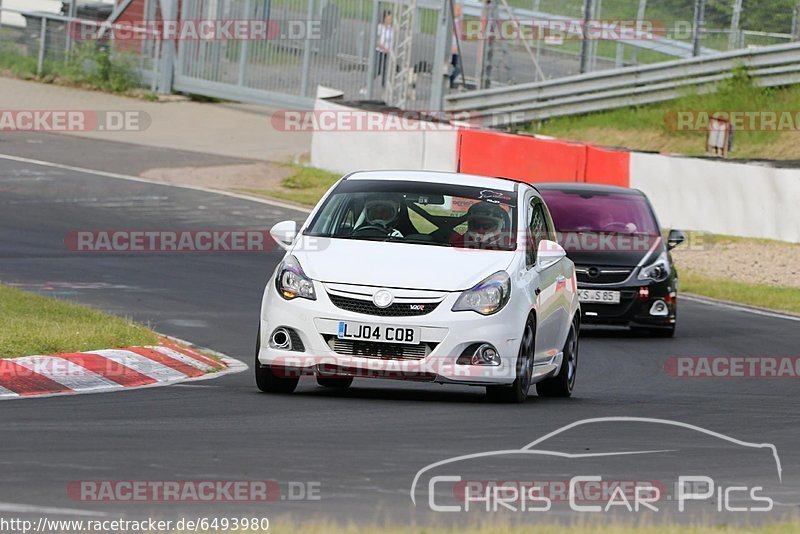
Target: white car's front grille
386, 351
396, 309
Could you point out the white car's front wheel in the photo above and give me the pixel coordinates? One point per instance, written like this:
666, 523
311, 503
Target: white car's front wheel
517, 392
270, 382
561, 384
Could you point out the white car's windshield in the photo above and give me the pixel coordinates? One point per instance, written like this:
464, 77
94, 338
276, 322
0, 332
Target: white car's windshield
419, 213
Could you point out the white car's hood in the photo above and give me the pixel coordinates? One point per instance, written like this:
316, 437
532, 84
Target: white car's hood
398, 265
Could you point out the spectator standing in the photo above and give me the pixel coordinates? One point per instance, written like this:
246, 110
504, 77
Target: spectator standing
384, 46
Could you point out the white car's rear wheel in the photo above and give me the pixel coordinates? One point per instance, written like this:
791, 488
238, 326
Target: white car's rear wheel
517, 392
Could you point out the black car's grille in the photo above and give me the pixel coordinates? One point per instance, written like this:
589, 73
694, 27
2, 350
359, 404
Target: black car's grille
602, 275
370, 349
397, 309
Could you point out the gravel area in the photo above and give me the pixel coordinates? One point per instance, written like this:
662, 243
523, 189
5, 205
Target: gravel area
743, 260
262, 175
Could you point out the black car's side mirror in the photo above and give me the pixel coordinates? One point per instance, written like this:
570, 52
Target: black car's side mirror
675, 238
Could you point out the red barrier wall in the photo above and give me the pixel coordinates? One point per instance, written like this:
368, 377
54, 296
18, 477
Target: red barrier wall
610, 167
531, 159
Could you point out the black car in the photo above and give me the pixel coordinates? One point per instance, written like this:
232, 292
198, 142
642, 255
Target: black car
626, 276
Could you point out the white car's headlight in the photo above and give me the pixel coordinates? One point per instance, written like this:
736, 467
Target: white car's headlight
487, 297
292, 282
658, 271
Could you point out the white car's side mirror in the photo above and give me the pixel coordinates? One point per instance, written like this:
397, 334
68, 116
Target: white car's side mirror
284, 233
548, 253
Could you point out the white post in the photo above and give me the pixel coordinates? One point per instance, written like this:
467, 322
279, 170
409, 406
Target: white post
42, 43
733, 38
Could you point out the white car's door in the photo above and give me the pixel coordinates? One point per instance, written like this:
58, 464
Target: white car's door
547, 282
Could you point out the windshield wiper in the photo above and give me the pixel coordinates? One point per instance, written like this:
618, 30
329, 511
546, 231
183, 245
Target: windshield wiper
416, 241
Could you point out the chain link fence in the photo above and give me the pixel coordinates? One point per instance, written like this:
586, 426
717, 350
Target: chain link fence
49, 44
332, 43
725, 25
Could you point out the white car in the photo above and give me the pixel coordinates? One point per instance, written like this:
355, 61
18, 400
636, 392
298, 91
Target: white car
440, 277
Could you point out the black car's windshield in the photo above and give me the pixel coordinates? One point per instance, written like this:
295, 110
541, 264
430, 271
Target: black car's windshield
600, 212
418, 212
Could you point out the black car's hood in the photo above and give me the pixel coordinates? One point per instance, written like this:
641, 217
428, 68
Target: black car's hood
609, 249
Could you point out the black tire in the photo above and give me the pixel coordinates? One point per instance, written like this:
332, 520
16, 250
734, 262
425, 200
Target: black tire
517, 392
561, 385
339, 382
267, 380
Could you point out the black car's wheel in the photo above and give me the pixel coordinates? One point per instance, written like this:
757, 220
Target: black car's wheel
267, 380
561, 384
342, 382
517, 392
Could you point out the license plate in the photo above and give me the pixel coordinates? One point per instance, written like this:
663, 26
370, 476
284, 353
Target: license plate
408, 335
598, 296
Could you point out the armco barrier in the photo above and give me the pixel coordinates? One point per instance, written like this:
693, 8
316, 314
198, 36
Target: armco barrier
535, 159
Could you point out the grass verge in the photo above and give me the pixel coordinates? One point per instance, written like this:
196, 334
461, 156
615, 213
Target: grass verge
33, 324
89, 66
304, 186
760, 295
654, 127
504, 528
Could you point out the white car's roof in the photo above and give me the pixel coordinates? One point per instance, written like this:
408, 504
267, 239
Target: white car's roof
437, 177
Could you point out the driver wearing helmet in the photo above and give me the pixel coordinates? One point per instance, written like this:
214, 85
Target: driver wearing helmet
485, 222
381, 212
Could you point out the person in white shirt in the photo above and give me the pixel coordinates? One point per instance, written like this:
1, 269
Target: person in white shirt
384, 46
456, 57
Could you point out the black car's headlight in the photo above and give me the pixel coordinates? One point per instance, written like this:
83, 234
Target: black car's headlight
292, 282
658, 271
487, 297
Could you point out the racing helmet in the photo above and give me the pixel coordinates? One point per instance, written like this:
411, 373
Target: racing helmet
485, 222
382, 210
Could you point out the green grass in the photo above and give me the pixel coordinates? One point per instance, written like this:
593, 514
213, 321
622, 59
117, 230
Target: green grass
759, 295
33, 324
305, 186
88, 66
648, 127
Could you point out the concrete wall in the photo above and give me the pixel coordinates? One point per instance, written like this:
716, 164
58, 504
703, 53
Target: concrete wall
724, 198
413, 148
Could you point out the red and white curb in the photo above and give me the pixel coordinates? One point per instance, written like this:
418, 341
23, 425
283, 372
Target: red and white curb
110, 370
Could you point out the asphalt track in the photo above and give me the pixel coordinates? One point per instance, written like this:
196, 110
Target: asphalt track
363, 446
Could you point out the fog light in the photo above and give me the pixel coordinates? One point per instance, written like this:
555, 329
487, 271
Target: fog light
479, 354
659, 308
280, 339
485, 355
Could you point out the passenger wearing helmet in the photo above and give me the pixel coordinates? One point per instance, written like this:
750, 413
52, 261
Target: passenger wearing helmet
381, 212
485, 224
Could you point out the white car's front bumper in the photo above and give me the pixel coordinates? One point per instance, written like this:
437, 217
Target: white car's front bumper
445, 333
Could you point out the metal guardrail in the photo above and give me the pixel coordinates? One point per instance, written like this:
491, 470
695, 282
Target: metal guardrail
598, 91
